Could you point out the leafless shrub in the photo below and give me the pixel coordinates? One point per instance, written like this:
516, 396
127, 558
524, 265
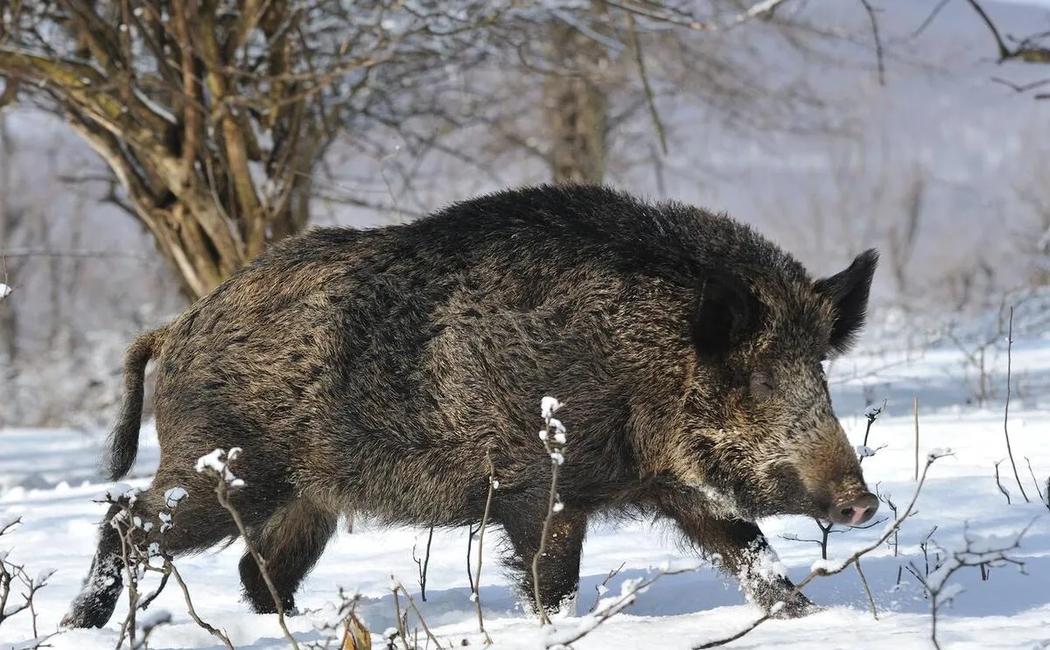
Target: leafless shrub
340, 627
894, 541
1044, 495
978, 358
395, 587
603, 587
422, 564
14, 577
827, 529
1006, 407
924, 547
139, 558
981, 552
999, 484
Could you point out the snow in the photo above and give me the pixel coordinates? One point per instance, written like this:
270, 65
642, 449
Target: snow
174, 496
218, 462
5, 291
548, 405
50, 479
864, 451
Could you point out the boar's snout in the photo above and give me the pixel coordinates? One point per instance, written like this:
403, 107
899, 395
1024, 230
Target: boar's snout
855, 511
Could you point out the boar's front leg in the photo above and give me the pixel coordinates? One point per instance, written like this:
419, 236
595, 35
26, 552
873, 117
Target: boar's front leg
559, 568
743, 552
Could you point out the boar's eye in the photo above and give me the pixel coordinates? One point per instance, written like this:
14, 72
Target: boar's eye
761, 386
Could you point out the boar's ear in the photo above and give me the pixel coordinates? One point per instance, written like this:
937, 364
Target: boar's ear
726, 314
848, 292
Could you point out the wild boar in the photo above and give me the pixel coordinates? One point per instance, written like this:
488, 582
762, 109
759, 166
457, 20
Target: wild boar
371, 371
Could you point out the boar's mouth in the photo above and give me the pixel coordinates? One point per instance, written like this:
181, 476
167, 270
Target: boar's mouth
789, 490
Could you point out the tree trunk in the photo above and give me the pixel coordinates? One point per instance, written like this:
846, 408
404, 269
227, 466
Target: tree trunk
8, 315
577, 106
213, 149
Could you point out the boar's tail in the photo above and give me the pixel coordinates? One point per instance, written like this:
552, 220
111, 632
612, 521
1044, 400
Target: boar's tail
124, 440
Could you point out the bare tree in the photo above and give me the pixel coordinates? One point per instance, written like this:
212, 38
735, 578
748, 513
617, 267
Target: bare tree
212, 115
576, 100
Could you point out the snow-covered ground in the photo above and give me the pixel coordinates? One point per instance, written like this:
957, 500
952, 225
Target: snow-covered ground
49, 478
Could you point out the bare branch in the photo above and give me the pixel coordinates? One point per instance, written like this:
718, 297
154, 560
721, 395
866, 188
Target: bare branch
476, 582
878, 40
1006, 408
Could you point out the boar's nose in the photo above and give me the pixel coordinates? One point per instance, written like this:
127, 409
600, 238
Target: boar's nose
855, 512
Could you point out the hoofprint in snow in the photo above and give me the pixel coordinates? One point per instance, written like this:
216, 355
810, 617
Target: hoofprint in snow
49, 478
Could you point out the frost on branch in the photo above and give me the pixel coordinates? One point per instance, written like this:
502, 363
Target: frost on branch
863, 451
553, 436
218, 462
984, 552
872, 412
548, 405
174, 496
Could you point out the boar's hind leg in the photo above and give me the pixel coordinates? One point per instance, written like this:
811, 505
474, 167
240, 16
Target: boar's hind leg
291, 541
559, 569
746, 554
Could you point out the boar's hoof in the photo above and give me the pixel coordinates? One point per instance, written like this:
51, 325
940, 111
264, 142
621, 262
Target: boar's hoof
89, 611
797, 607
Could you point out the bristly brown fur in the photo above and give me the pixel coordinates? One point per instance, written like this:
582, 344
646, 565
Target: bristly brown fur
369, 371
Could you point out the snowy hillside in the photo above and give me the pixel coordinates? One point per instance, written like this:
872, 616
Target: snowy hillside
48, 478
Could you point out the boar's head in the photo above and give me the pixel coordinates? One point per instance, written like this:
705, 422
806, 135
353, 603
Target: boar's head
760, 436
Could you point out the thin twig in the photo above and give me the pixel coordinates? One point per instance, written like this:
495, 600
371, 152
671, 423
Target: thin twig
639, 60
419, 614
605, 583
915, 408
422, 565
1044, 498
1004, 52
551, 499
493, 483
871, 414
612, 608
867, 590
552, 427
401, 633
222, 492
210, 629
878, 41
1006, 408
999, 484
929, 19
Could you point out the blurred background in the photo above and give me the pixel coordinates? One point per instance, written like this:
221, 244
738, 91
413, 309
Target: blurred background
150, 148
